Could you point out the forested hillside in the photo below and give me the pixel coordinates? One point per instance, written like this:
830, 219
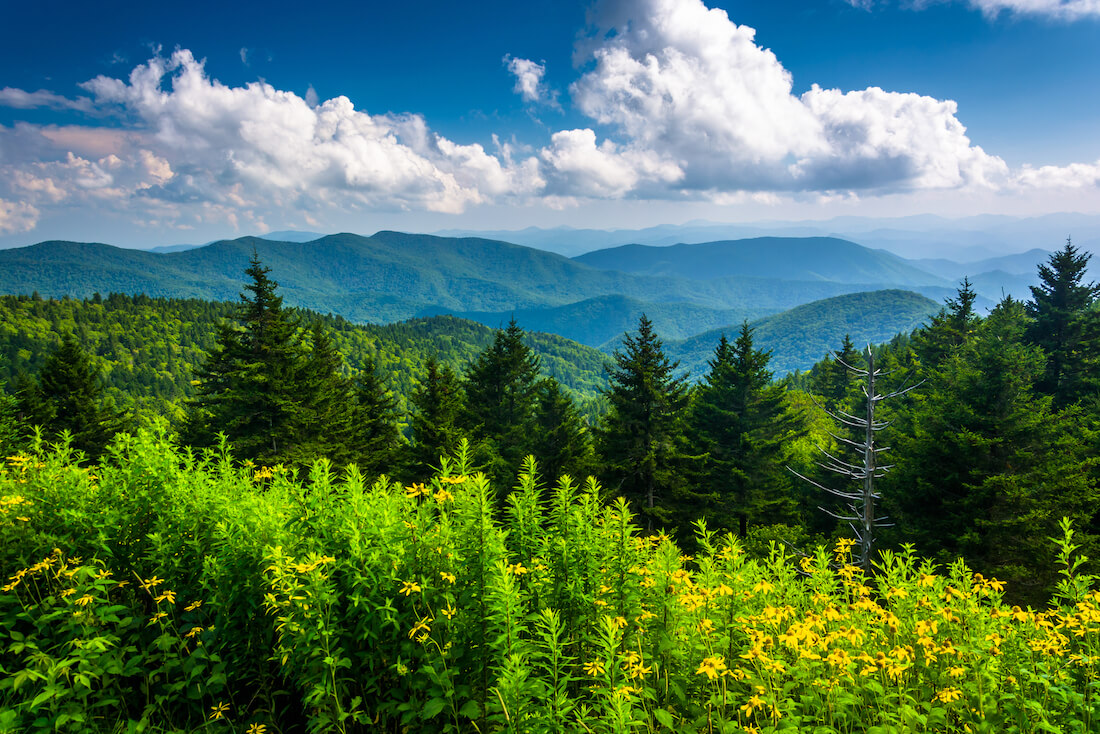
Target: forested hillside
148, 348
392, 276
802, 336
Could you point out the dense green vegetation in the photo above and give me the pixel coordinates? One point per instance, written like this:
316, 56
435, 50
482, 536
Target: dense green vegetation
465, 600
147, 349
160, 593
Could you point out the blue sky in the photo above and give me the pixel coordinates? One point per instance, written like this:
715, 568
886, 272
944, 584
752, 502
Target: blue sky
145, 124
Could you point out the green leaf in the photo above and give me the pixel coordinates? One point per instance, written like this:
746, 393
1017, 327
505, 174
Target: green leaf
665, 718
470, 710
433, 707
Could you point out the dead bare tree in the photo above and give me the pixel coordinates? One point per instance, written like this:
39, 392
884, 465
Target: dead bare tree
864, 469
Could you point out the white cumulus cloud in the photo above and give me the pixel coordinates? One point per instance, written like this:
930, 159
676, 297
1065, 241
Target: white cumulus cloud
685, 82
529, 80
17, 216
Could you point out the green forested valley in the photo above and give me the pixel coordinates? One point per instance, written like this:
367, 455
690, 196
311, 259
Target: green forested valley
148, 348
242, 517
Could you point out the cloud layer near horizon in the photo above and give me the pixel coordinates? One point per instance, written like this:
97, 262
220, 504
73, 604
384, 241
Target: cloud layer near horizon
685, 105
1057, 9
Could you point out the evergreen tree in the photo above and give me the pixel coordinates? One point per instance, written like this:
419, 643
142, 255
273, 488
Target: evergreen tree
374, 438
988, 466
1065, 324
437, 408
323, 425
501, 389
561, 442
251, 386
949, 329
638, 440
68, 396
743, 423
832, 381
10, 433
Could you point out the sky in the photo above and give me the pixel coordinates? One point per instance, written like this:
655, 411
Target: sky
144, 124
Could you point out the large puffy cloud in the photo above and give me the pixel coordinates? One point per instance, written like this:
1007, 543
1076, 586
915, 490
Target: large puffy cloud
191, 147
581, 167
275, 143
684, 81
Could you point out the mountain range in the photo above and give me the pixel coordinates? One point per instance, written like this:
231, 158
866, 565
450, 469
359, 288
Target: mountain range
687, 290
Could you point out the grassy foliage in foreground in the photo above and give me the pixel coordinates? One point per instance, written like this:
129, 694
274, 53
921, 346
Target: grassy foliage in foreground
160, 592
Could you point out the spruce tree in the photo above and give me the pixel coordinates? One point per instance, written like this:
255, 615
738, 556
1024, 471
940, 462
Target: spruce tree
832, 381
949, 329
743, 422
986, 466
1065, 324
10, 431
250, 387
561, 442
374, 435
323, 425
639, 438
68, 396
500, 402
437, 408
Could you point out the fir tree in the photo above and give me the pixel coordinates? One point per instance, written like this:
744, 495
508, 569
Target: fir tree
949, 329
10, 433
374, 436
638, 440
987, 466
250, 388
68, 396
743, 423
1065, 325
832, 381
437, 408
500, 401
323, 425
561, 442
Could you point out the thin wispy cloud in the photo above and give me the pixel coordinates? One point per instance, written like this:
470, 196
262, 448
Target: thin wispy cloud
1068, 10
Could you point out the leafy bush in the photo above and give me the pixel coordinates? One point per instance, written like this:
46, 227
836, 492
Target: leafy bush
162, 591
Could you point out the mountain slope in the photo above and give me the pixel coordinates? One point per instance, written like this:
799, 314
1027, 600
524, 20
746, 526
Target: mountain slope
595, 321
803, 335
392, 276
806, 258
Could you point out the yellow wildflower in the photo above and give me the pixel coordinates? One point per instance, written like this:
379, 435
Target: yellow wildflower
947, 695
218, 710
408, 588
712, 667
448, 577
594, 668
